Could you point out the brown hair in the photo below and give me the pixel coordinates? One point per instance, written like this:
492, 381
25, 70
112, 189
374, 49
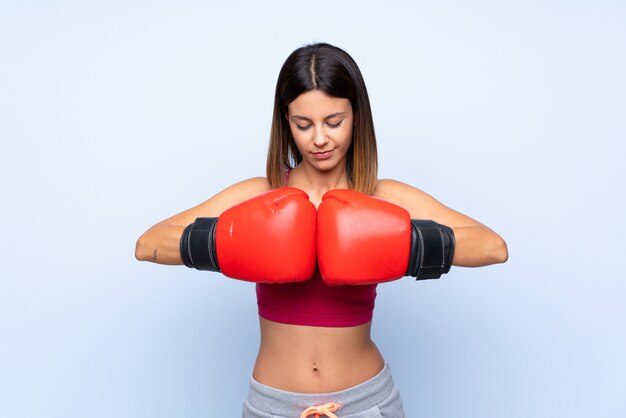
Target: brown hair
331, 70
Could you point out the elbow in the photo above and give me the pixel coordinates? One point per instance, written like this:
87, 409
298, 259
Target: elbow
500, 251
141, 252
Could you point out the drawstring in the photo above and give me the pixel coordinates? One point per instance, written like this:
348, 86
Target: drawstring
327, 410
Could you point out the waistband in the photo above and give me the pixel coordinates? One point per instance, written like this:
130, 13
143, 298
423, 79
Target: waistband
356, 399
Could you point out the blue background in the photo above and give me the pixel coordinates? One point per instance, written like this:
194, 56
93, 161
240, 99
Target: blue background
115, 115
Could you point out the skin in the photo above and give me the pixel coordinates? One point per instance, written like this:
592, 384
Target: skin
318, 359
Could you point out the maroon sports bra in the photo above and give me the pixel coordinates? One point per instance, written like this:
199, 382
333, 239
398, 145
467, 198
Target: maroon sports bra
315, 303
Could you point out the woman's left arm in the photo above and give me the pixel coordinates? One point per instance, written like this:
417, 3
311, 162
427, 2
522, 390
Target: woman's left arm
476, 244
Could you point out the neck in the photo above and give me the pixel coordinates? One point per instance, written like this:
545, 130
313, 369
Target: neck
316, 182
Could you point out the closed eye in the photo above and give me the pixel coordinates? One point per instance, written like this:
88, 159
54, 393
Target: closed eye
331, 125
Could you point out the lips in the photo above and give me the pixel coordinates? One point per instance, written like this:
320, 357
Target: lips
323, 155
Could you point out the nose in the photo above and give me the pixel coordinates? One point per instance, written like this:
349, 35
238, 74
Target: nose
320, 138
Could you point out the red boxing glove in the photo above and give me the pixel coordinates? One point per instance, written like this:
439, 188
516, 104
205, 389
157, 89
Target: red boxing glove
360, 239
269, 239
365, 240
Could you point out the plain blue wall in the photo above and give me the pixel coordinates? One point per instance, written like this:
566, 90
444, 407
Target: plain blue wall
115, 115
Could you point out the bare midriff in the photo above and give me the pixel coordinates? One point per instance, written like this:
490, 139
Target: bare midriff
309, 359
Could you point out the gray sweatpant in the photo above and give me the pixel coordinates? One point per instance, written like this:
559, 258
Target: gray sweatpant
375, 398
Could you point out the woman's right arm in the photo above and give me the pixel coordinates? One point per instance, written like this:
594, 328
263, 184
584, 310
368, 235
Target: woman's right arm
161, 243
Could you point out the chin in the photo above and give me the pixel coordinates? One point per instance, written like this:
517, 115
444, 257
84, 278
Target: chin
326, 165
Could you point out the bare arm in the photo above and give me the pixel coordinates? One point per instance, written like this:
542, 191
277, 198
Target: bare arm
476, 244
161, 242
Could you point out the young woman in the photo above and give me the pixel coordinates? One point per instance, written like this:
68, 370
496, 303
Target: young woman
317, 235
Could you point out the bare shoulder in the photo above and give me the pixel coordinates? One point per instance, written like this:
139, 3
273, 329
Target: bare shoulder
409, 197
243, 190
221, 201
420, 204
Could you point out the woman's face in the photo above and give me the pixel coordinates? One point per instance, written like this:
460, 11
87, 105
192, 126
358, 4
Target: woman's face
321, 126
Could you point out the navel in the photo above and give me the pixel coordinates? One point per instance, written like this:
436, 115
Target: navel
316, 371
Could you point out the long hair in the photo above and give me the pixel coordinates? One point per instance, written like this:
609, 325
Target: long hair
331, 70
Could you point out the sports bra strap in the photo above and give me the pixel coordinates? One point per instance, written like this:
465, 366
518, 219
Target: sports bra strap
286, 177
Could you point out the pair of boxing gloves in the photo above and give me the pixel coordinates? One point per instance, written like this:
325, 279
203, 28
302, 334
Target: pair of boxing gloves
279, 236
